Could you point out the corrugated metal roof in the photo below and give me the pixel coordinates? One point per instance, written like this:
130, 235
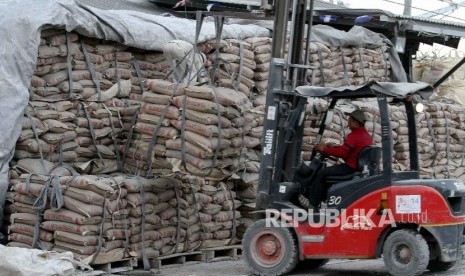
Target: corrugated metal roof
129, 5
152, 8
416, 18
326, 5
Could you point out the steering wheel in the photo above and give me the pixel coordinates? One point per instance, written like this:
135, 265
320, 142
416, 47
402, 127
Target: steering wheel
317, 160
330, 157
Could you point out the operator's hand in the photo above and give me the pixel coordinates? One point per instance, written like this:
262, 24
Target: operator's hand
320, 147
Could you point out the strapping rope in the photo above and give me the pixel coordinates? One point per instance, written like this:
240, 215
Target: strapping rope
153, 140
433, 139
69, 59
233, 210
204, 230
39, 206
237, 81
344, 66
178, 218
56, 199
447, 144
91, 129
118, 73
362, 64
129, 138
119, 164
36, 135
145, 259
462, 163
178, 225
139, 74
322, 72
101, 230
91, 69
31, 93
386, 71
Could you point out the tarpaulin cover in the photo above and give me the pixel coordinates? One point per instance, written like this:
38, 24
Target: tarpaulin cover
357, 36
21, 22
362, 37
389, 89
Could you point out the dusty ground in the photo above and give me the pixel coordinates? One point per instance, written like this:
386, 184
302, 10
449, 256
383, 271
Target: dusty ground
333, 268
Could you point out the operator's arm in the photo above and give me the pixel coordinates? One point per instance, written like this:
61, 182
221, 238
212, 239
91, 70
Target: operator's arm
343, 150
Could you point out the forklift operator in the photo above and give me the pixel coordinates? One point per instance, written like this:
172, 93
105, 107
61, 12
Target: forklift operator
355, 141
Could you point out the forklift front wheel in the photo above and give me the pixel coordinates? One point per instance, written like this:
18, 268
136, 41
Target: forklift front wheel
405, 253
269, 250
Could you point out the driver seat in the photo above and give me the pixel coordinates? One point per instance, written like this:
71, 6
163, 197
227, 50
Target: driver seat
368, 165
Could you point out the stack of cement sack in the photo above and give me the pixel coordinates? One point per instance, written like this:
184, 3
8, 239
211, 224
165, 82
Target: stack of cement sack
244, 66
152, 130
432, 62
204, 143
339, 66
231, 63
205, 140
81, 214
84, 119
440, 135
95, 66
119, 216
102, 121
261, 46
82, 134
337, 130
147, 199
440, 141
215, 219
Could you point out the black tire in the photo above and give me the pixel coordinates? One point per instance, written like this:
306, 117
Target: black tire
437, 265
405, 253
280, 255
310, 264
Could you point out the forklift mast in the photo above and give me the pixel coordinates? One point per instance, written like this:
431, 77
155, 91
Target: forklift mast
285, 112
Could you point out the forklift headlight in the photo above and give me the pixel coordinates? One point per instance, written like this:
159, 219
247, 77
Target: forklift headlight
459, 185
419, 107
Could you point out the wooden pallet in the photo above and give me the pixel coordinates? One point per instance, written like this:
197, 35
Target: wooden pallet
222, 253
177, 259
116, 267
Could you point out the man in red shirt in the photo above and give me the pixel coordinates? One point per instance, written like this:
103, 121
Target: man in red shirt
355, 141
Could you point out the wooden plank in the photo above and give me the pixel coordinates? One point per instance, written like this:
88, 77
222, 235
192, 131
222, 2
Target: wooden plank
177, 259
91, 273
223, 253
116, 267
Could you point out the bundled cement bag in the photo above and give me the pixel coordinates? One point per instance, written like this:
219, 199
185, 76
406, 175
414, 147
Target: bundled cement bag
339, 66
99, 70
232, 64
82, 120
261, 46
83, 214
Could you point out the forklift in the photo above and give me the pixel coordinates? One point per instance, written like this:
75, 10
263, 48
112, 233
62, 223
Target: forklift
414, 224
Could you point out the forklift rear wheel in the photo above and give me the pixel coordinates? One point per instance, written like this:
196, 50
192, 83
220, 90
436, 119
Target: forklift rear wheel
405, 253
437, 265
269, 250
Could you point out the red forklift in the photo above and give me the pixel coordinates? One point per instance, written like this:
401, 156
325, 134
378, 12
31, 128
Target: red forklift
414, 224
